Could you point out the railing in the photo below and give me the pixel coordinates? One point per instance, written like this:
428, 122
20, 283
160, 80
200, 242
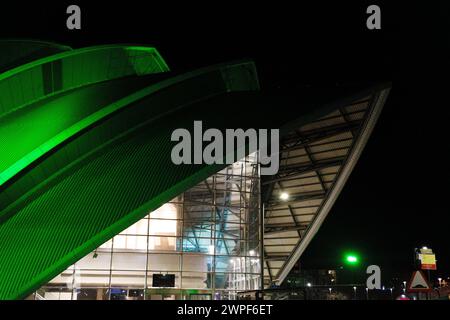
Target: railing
318, 292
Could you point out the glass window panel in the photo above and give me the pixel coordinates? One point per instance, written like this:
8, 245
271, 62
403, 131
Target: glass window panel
178, 201
230, 231
89, 294
197, 262
227, 246
106, 245
221, 280
229, 215
128, 279
118, 293
95, 260
128, 242
91, 278
163, 262
103, 293
136, 294
139, 228
235, 248
196, 245
50, 293
129, 261
196, 280
222, 264
231, 281
120, 242
198, 228
166, 211
63, 280
199, 212
232, 184
163, 243
253, 265
229, 264
165, 227
200, 194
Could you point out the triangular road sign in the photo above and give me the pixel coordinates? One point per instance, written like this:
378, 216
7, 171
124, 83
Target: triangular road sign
418, 283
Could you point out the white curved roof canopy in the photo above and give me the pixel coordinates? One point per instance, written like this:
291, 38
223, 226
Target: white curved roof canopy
316, 160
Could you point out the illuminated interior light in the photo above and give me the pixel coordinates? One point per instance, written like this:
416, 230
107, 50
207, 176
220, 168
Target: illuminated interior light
284, 196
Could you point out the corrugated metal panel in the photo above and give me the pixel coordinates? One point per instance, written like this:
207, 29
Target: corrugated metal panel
44, 77
18, 52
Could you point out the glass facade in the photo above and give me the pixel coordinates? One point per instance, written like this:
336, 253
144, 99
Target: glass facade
204, 244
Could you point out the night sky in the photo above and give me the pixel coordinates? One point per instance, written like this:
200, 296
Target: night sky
397, 196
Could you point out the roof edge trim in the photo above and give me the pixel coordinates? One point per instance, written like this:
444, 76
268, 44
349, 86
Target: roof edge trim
73, 52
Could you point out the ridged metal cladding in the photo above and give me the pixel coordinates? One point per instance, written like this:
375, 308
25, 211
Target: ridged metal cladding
91, 177
67, 70
16, 52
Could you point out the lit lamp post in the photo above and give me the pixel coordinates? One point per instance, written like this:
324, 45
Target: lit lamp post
308, 285
352, 260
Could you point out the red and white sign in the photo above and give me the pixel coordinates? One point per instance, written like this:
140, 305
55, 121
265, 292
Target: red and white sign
418, 283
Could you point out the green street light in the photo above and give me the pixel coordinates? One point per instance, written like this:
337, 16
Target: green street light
351, 259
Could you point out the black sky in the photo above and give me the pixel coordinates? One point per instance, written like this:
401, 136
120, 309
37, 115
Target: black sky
397, 196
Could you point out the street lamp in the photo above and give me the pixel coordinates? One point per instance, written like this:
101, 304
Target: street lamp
404, 286
351, 258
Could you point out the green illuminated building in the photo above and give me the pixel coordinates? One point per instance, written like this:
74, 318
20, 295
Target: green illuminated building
92, 207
